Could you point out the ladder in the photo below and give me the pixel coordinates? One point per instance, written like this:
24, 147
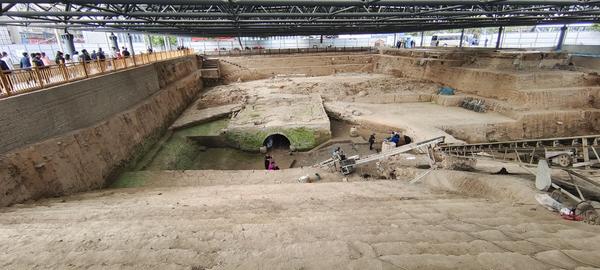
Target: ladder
566, 152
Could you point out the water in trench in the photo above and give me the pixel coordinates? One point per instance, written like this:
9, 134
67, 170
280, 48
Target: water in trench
182, 150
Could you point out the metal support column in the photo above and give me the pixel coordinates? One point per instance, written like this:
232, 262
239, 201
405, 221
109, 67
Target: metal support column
462, 36
500, 30
113, 41
67, 41
130, 41
149, 41
58, 40
561, 38
165, 42
422, 38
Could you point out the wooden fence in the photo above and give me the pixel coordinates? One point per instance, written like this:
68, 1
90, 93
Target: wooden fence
15, 82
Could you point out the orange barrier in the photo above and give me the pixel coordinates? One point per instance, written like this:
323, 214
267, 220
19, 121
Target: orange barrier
15, 82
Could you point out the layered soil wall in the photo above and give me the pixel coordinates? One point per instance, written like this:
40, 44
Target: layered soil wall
542, 91
260, 67
85, 158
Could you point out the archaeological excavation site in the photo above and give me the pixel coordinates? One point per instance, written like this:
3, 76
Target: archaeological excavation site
395, 155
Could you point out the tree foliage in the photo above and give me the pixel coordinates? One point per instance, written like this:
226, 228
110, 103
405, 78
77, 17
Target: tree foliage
158, 41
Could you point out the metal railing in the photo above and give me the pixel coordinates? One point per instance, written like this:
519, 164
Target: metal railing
286, 51
20, 81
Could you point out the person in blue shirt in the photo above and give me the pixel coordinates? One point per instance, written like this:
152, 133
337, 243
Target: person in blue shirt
25, 62
395, 139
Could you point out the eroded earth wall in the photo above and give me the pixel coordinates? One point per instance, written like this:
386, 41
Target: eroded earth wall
92, 128
261, 67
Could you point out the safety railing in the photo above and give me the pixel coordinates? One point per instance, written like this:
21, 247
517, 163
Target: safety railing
287, 51
15, 82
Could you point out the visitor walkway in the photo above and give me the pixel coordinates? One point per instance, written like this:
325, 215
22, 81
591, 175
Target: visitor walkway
21, 81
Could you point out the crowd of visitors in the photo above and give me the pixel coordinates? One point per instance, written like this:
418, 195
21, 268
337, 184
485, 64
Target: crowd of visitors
40, 59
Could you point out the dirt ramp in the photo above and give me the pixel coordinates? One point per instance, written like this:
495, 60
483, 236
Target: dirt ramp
494, 187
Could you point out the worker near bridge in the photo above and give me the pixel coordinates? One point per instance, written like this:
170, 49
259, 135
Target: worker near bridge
371, 141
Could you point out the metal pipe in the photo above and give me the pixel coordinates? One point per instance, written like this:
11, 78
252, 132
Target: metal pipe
561, 38
318, 29
130, 41
113, 41
468, 22
499, 37
69, 46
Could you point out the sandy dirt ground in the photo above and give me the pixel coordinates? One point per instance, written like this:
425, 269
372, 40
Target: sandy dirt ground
419, 120
339, 225
422, 120
335, 87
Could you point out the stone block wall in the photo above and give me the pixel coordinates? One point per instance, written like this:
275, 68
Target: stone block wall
43, 114
99, 138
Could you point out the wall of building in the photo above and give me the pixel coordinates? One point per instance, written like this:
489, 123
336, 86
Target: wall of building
81, 140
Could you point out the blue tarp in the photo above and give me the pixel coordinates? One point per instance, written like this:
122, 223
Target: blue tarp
448, 91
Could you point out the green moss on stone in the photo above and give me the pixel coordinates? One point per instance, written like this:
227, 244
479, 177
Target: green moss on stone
205, 129
178, 151
301, 138
129, 179
247, 141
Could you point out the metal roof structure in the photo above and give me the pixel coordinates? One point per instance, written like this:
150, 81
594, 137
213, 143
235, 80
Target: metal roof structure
291, 17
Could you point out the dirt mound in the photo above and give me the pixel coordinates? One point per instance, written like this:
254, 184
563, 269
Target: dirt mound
340, 87
495, 187
222, 95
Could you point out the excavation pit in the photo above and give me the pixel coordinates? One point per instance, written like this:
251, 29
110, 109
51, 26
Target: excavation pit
205, 147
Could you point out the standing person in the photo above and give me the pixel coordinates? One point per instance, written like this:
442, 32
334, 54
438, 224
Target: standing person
412, 43
7, 60
59, 59
4, 68
94, 55
115, 53
68, 58
125, 52
371, 141
485, 43
85, 56
267, 161
101, 54
45, 59
398, 44
36, 59
25, 61
26, 64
